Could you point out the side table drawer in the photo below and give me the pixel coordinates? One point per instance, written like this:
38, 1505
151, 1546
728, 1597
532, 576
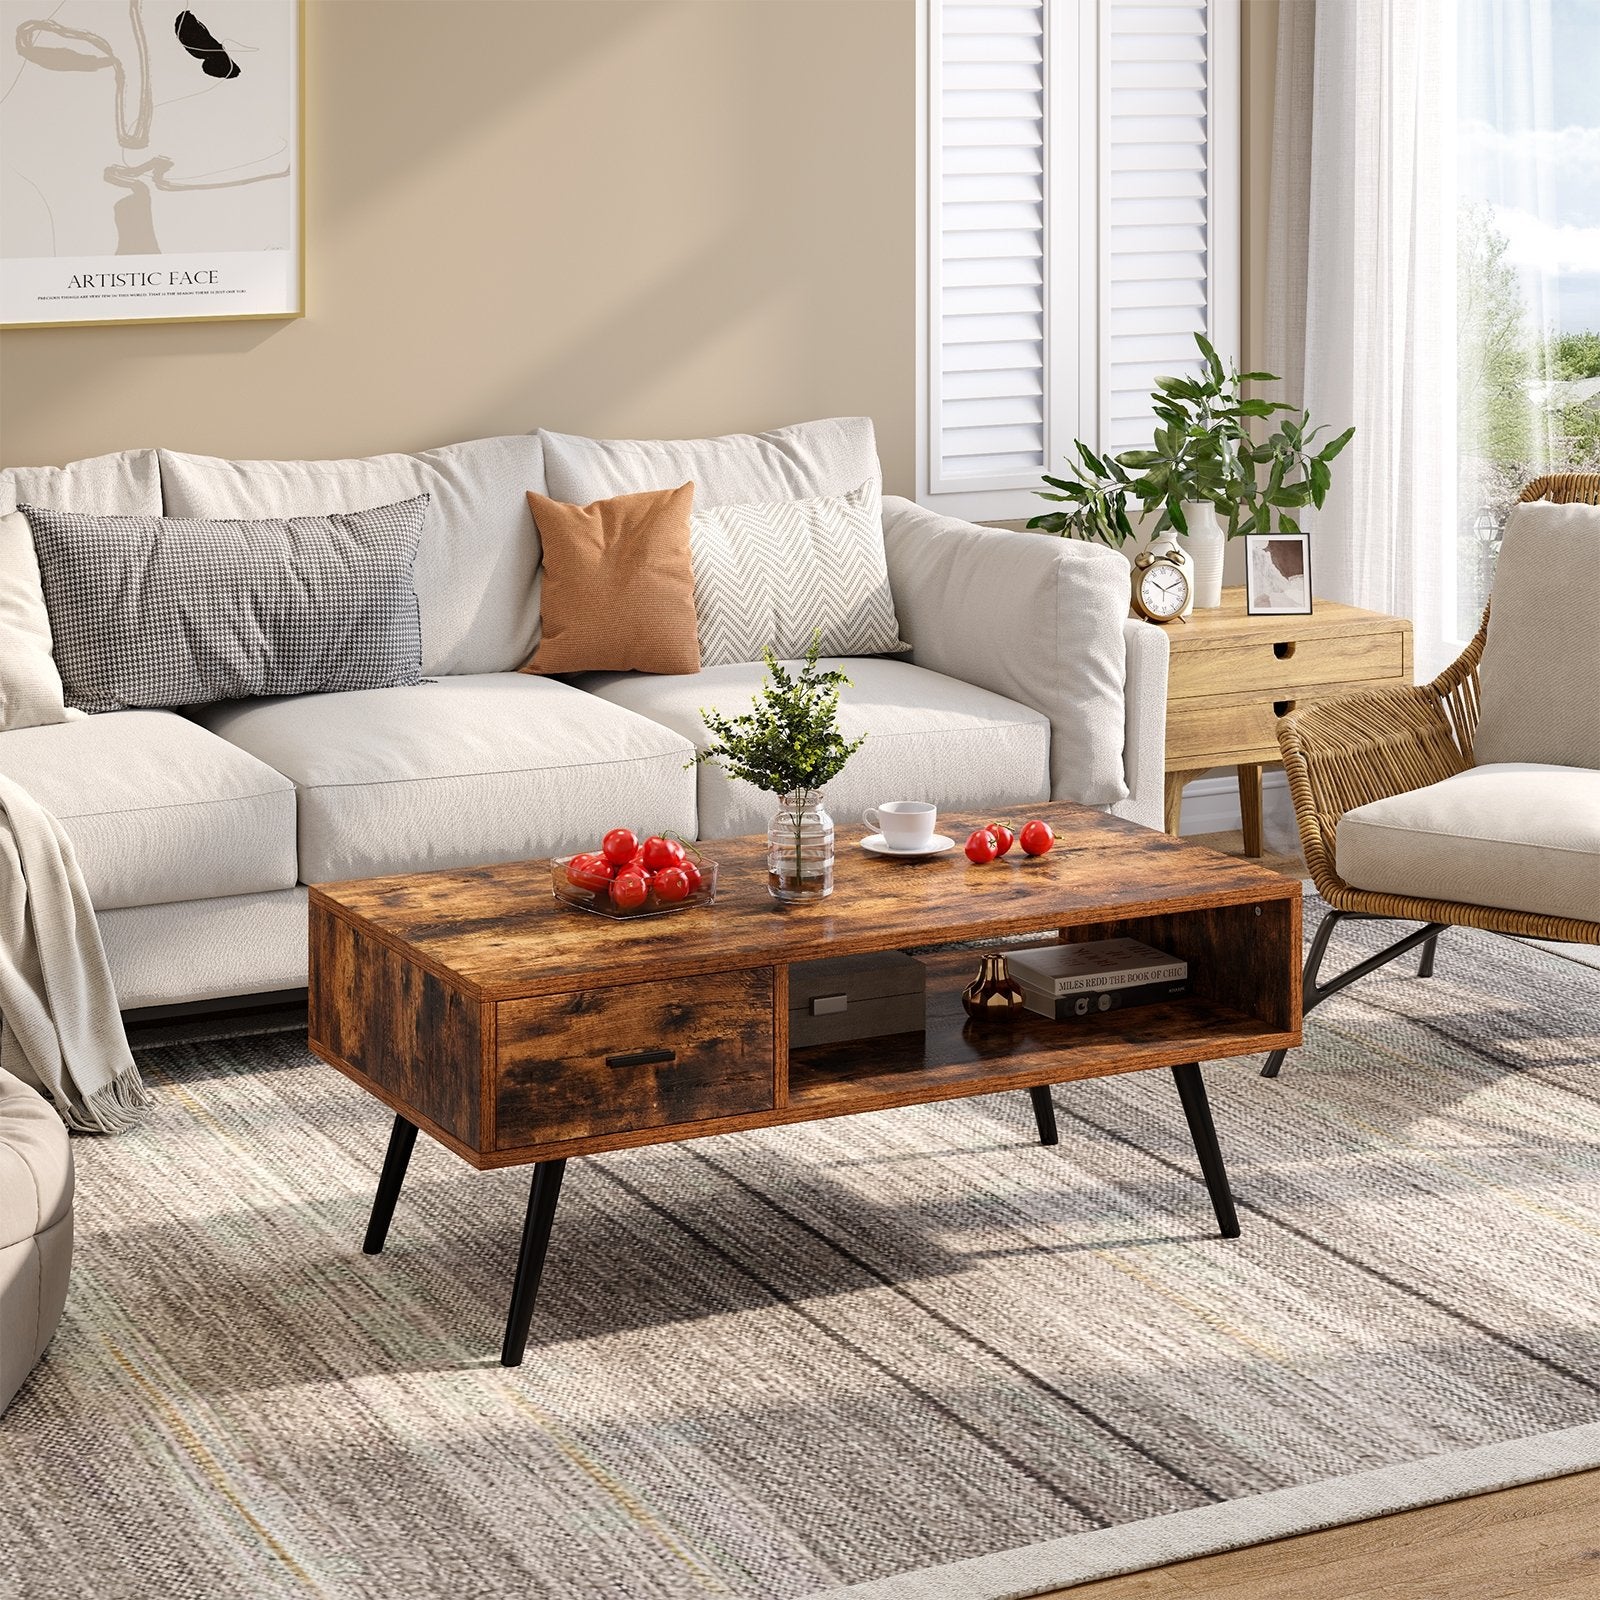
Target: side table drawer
1204, 733
646, 1055
1286, 663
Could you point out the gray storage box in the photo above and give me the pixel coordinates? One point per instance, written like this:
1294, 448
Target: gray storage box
856, 997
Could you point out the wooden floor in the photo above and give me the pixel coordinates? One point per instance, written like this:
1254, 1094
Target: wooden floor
1539, 1542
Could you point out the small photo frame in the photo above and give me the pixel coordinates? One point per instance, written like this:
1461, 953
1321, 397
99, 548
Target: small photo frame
1277, 574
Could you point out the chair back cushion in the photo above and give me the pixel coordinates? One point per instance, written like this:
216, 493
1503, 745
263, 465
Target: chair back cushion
1540, 672
478, 562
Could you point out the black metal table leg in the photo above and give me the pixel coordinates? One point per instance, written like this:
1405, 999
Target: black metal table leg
1044, 1113
1192, 1092
542, 1199
402, 1137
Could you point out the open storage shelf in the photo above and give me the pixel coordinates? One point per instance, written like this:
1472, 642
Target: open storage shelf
1226, 1013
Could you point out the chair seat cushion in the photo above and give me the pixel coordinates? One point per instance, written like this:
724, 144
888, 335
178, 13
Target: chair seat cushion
929, 737
461, 772
1514, 836
157, 809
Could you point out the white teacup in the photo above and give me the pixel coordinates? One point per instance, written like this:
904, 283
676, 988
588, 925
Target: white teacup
904, 824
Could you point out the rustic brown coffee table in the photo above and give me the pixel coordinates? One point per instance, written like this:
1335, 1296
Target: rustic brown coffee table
518, 1031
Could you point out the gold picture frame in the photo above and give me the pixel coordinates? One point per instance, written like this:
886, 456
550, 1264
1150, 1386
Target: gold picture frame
249, 277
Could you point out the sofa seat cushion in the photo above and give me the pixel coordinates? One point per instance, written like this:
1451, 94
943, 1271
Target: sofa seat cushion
461, 772
929, 737
1515, 836
158, 809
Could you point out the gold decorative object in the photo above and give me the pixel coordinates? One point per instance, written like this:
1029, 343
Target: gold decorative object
994, 995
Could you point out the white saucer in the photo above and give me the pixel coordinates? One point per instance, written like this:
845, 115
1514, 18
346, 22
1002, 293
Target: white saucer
875, 844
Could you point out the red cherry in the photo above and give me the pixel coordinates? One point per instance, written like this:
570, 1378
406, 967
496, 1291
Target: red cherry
659, 853
590, 871
693, 874
619, 845
1004, 838
1038, 838
629, 891
672, 883
981, 847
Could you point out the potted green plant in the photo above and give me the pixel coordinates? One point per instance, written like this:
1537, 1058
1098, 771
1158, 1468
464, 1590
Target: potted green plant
1202, 461
789, 744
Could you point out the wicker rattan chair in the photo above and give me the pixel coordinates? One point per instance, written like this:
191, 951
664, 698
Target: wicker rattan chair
1344, 753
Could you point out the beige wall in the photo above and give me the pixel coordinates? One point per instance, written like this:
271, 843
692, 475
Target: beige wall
658, 218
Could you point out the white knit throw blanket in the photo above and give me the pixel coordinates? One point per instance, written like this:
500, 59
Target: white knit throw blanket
60, 1029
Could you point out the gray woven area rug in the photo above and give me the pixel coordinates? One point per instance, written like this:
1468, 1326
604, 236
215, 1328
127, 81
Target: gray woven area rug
783, 1363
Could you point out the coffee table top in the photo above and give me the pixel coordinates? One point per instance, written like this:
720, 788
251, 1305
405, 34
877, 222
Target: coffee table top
498, 932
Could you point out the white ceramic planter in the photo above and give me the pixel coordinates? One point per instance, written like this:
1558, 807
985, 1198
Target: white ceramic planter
1205, 542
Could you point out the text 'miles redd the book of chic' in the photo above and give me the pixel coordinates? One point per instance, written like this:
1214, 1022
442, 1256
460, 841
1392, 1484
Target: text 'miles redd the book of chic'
1065, 981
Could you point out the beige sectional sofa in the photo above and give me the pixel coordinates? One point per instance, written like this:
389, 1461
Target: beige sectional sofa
198, 832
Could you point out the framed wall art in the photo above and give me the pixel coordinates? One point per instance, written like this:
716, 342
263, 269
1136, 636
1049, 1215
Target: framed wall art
153, 157
1277, 574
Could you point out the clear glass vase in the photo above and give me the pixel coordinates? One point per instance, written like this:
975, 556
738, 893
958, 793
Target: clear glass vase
800, 848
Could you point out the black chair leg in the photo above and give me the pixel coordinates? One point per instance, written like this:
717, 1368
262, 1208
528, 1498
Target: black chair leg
1425, 965
1308, 984
1044, 1113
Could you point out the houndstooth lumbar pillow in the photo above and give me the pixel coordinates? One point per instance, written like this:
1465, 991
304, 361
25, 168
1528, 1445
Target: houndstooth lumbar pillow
175, 611
777, 572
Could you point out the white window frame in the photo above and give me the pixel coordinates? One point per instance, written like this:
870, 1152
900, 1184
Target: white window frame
1077, 196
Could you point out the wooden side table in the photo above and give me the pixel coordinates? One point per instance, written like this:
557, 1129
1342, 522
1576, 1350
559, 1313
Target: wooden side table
1233, 676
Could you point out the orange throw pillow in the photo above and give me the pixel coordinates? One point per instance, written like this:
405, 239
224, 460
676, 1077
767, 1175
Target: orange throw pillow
618, 588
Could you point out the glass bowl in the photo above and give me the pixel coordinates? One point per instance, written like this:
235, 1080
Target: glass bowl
599, 902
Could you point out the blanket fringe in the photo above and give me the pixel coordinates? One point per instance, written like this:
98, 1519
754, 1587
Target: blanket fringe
114, 1109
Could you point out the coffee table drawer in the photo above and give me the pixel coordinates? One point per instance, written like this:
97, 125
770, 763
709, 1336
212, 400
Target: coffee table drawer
647, 1055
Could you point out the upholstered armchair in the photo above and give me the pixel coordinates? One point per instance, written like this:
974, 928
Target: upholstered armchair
1472, 801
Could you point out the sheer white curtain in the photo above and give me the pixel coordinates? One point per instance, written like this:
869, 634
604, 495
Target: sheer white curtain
1361, 309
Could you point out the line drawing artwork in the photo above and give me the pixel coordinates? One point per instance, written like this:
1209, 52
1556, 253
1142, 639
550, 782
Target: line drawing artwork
148, 128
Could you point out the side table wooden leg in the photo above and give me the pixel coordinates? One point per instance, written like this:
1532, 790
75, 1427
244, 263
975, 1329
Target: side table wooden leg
1174, 800
1250, 806
542, 1199
402, 1139
1044, 1113
1192, 1092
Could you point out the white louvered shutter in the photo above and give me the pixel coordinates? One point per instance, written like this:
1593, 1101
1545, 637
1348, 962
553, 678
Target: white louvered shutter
1168, 220
987, 255
1081, 224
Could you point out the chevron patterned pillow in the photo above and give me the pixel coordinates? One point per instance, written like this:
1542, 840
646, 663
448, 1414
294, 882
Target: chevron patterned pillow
777, 572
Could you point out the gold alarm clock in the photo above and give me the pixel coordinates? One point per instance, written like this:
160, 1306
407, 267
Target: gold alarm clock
1160, 585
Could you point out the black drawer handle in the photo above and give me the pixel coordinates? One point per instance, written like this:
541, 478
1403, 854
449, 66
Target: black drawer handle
1282, 708
1283, 650
643, 1058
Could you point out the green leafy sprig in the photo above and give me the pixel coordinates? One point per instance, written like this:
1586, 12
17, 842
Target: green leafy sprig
788, 742
1203, 450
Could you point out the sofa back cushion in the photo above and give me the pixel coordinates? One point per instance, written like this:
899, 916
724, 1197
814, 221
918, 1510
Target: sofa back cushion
832, 457
127, 483
157, 612
1540, 672
478, 561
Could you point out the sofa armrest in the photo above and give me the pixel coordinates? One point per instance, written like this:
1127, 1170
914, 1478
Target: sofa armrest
1037, 619
1144, 748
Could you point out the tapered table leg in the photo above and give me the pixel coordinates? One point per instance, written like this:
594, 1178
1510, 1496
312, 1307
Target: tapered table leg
1192, 1092
402, 1137
542, 1199
1044, 1113
1250, 806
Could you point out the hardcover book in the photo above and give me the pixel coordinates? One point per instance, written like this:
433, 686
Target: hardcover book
1094, 966
1088, 1003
